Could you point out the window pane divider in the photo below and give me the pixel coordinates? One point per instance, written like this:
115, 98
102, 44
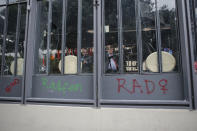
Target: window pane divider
63, 35
103, 38
179, 61
79, 37
120, 35
4, 39
49, 36
159, 55
139, 35
17, 38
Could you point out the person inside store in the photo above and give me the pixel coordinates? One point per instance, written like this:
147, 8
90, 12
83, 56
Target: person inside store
87, 61
111, 60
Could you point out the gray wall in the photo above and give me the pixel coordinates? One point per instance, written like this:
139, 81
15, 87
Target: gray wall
60, 118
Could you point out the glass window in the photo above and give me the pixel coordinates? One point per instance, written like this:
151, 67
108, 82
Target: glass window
148, 29
2, 21
41, 37
77, 47
56, 36
11, 40
141, 36
12, 37
111, 37
3, 2
169, 35
129, 36
194, 20
87, 51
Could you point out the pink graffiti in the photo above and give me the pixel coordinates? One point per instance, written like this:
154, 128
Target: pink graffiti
8, 89
149, 86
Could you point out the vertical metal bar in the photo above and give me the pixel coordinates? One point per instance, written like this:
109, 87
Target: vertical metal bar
4, 38
101, 49
49, 36
195, 27
17, 38
30, 48
120, 36
192, 89
79, 36
103, 69
158, 38
95, 51
179, 63
23, 99
139, 35
63, 35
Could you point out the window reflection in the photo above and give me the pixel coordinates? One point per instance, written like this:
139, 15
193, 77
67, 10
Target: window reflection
3, 2
20, 56
71, 37
72, 32
149, 45
56, 36
129, 36
195, 22
169, 35
10, 40
2, 19
41, 37
111, 36
87, 37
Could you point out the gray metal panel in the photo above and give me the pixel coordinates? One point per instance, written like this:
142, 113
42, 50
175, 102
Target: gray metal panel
185, 50
30, 49
25, 51
194, 75
178, 86
10, 86
64, 87
95, 71
143, 87
100, 38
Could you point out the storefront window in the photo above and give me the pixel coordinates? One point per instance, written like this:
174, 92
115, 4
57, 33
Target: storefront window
141, 36
12, 36
63, 51
169, 35
106, 52
148, 29
78, 38
2, 21
111, 37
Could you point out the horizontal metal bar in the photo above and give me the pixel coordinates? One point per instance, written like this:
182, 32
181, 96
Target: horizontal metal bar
61, 104
147, 106
9, 76
55, 100
146, 102
10, 98
51, 75
22, 2
146, 74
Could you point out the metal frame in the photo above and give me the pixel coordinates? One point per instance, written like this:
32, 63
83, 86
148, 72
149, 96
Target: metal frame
97, 101
30, 64
11, 77
192, 42
187, 103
